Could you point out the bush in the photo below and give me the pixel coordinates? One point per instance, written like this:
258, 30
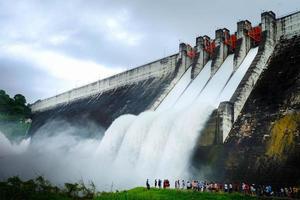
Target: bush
40, 188
14, 106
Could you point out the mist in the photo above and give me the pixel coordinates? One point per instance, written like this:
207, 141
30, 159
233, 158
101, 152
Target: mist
56, 151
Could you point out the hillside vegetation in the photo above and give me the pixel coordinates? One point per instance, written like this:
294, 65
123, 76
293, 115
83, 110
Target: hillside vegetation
14, 116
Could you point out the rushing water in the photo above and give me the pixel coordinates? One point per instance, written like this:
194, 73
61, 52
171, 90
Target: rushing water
154, 144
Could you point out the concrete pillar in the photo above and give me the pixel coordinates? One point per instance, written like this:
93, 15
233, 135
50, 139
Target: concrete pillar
268, 20
200, 42
185, 60
221, 51
224, 121
242, 28
201, 58
182, 50
243, 43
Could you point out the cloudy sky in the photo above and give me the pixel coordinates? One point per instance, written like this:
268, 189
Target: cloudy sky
50, 46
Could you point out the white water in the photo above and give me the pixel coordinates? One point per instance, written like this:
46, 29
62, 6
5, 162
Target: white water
109, 146
189, 123
237, 76
194, 89
176, 92
154, 144
158, 144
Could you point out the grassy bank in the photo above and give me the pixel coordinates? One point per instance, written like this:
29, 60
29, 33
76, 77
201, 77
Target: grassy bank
40, 188
166, 194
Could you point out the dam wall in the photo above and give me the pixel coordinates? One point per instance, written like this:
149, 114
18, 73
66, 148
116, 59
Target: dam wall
145, 87
98, 104
154, 69
288, 26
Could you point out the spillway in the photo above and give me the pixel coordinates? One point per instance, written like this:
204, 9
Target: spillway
237, 76
195, 88
158, 144
177, 91
189, 123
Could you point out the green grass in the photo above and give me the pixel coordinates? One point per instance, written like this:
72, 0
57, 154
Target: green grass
165, 194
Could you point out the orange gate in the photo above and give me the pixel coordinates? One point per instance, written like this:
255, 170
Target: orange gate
255, 34
230, 40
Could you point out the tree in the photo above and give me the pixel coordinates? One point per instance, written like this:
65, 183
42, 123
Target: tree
20, 100
4, 101
72, 189
14, 106
2, 92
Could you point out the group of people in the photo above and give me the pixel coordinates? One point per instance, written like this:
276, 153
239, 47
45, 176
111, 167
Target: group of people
268, 190
248, 189
159, 183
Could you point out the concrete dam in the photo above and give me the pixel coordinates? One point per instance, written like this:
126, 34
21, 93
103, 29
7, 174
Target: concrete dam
153, 117
147, 86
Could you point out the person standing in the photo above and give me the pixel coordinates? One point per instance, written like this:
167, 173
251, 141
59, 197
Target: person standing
252, 189
183, 184
159, 183
225, 187
155, 183
147, 184
188, 185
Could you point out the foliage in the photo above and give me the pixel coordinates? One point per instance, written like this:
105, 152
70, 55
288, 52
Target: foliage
40, 188
15, 188
15, 106
13, 115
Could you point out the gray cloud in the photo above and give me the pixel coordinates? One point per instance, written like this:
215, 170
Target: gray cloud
111, 33
19, 77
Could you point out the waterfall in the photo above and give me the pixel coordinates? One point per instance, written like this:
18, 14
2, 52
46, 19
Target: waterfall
159, 143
